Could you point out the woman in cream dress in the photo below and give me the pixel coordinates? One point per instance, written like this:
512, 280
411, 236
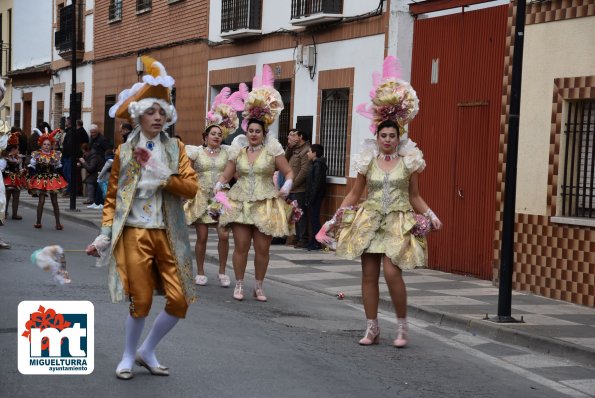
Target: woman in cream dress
258, 211
208, 161
381, 232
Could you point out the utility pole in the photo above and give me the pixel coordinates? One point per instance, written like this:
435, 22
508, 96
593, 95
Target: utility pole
507, 248
74, 110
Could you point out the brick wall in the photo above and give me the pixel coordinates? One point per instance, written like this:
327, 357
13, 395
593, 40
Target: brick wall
186, 64
165, 23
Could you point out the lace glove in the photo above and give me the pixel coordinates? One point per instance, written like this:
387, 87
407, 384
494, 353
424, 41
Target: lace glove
436, 223
286, 188
155, 173
219, 186
99, 247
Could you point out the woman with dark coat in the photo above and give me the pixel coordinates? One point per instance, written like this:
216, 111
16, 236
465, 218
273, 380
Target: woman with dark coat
315, 190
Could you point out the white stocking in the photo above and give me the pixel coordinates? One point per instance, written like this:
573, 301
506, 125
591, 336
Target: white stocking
163, 324
134, 328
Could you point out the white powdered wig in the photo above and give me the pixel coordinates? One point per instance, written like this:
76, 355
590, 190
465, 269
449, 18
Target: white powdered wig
137, 108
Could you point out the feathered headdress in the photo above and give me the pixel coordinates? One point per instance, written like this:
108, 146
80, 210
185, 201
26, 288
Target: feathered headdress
225, 107
392, 98
48, 136
156, 84
264, 101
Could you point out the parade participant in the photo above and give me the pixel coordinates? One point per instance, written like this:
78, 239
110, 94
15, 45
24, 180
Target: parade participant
14, 176
258, 211
143, 229
45, 176
4, 129
381, 230
209, 161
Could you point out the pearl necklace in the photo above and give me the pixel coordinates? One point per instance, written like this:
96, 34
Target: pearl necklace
255, 148
213, 151
389, 156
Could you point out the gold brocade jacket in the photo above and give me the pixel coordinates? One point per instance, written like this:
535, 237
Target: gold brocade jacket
121, 191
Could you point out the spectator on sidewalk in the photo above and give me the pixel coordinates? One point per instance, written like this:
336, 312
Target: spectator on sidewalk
297, 156
93, 162
125, 129
67, 152
315, 191
103, 177
98, 140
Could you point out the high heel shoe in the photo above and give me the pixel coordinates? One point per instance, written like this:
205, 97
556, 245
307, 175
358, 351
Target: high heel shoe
259, 292
238, 291
59, 227
36, 225
401, 339
372, 335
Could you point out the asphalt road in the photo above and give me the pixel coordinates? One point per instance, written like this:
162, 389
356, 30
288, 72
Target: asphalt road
299, 344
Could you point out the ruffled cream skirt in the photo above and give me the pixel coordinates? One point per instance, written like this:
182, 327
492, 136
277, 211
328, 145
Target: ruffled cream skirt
196, 209
271, 216
373, 232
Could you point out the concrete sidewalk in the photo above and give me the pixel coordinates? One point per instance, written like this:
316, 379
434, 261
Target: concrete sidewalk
550, 326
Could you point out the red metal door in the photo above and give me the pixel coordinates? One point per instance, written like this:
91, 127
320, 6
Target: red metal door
468, 242
457, 71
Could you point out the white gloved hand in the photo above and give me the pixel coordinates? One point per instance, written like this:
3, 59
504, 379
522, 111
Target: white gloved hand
286, 188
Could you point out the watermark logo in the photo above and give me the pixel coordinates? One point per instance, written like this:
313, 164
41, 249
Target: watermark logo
56, 337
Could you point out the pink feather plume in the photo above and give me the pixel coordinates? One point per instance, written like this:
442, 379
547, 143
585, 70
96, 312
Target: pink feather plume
391, 68
221, 197
222, 97
236, 100
268, 79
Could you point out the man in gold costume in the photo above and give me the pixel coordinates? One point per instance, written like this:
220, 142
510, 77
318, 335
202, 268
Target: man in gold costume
144, 236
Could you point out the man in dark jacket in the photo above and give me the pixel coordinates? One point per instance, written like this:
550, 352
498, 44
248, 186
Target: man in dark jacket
68, 156
97, 139
93, 163
315, 191
296, 154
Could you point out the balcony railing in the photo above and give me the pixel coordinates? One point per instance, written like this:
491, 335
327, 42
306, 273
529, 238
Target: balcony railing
63, 37
307, 8
241, 17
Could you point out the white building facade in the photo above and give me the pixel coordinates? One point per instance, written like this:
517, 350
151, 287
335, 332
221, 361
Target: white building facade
323, 54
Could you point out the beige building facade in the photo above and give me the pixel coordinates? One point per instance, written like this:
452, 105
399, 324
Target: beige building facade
555, 203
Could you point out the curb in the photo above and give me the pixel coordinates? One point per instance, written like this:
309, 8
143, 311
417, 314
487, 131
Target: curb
484, 328
63, 214
502, 334
480, 327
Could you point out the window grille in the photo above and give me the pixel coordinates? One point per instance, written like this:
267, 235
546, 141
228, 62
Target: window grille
284, 122
305, 8
115, 10
334, 112
578, 180
240, 14
143, 5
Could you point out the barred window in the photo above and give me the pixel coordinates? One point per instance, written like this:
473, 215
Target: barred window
143, 5
334, 111
115, 10
240, 14
578, 180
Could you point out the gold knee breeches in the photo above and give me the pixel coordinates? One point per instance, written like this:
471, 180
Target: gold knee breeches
145, 262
